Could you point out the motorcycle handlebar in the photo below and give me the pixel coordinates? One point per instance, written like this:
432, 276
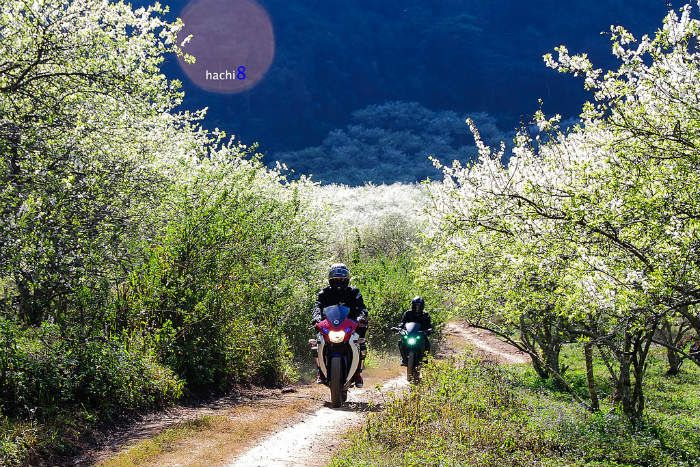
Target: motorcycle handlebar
427, 332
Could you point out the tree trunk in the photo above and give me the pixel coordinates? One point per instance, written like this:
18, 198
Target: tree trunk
671, 340
526, 338
28, 308
540, 369
674, 362
624, 383
642, 344
543, 339
588, 351
551, 358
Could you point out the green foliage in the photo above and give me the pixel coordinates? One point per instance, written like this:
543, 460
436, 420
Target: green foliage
466, 412
381, 256
390, 143
16, 440
387, 286
224, 290
44, 370
56, 383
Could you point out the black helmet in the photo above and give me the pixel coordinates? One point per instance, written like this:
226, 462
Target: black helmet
339, 275
417, 304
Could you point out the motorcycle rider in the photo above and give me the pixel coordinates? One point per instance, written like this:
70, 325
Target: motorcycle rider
416, 315
340, 291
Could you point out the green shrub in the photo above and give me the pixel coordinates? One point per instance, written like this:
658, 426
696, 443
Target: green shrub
226, 289
45, 369
16, 441
470, 413
381, 256
56, 384
388, 284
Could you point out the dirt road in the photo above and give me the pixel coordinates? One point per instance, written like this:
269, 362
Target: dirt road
295, 428
313, 441
485, 344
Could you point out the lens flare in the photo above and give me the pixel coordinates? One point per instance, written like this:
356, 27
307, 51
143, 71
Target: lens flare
232, 41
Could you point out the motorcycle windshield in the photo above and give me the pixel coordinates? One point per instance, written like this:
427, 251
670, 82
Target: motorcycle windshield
412, 328
336, 314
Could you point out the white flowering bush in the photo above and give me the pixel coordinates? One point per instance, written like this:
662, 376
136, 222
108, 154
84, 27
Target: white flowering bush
592, 234
355, 210
142, 257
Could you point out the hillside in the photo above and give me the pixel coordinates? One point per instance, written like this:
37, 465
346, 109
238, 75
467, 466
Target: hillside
461, 56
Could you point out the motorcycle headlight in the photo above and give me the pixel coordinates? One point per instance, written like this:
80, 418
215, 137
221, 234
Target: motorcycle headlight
336, 336
411, 341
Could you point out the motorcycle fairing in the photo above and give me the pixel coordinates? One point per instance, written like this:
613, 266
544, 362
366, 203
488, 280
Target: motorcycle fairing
337, 320
355, 353
413, 330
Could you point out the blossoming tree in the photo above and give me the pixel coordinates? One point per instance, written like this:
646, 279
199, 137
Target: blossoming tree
594, 230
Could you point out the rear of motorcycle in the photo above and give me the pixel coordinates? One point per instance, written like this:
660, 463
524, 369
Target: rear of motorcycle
337, 351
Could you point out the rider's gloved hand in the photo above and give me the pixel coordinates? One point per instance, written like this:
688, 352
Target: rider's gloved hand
362, 322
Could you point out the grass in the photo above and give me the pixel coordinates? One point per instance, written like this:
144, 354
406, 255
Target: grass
43, 440
148, 450
16, 441
465, 412
211, 439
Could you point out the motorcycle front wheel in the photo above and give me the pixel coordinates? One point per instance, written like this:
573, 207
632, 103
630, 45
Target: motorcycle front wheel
411, 372
336, 382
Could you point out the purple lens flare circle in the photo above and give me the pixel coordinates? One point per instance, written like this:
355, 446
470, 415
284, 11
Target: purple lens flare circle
233, 43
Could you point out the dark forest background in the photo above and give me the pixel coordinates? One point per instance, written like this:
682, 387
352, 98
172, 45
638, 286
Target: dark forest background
364, 90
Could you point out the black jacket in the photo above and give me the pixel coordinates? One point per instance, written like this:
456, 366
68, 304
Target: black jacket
349, 296
422, 318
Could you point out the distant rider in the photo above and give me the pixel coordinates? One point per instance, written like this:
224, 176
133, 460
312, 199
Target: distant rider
416, 315
340, 291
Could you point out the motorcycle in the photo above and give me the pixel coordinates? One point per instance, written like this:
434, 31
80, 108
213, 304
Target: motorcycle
337, 351
413, 342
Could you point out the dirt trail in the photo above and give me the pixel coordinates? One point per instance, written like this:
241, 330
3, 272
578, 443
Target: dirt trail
486, 344
286, 429
313, 441
149, 425
307, 444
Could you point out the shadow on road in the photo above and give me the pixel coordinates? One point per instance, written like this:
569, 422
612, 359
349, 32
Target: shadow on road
359, 406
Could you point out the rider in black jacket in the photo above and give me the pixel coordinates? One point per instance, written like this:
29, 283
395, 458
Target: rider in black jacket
416, 315
339, 291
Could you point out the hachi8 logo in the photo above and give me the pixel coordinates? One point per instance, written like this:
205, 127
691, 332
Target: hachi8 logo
232, 41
